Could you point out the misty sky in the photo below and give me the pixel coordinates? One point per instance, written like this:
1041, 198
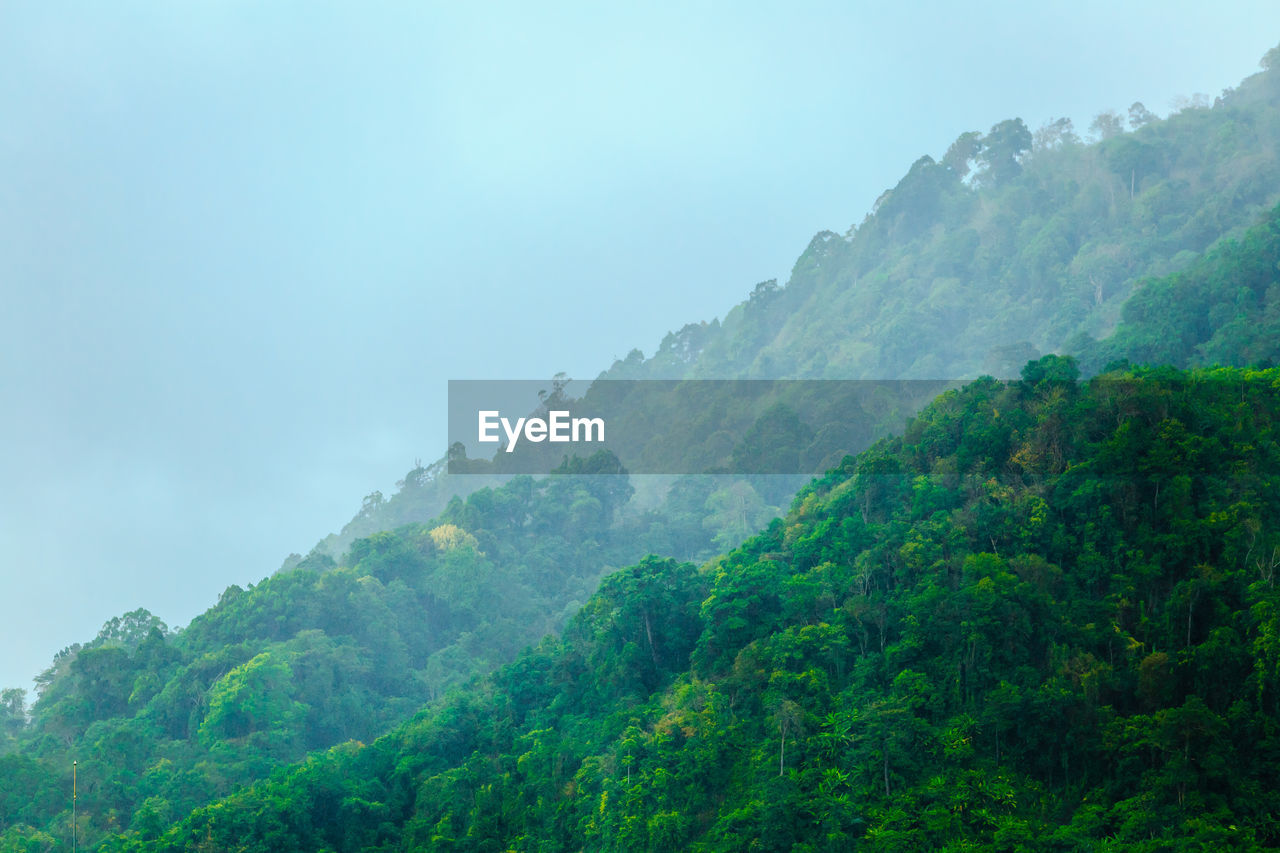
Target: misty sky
243, 245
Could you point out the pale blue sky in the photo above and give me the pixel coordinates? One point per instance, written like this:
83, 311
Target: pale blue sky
243, 245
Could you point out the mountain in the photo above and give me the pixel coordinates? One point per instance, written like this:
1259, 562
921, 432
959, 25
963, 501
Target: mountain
1223, 308
162, 722
1113, 526
1011, 244
1045, 616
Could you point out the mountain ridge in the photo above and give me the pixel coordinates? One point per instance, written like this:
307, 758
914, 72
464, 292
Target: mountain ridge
251, 700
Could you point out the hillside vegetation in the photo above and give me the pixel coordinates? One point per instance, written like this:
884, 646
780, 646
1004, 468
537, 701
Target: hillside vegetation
1013, 243
1044, 611
1044, 618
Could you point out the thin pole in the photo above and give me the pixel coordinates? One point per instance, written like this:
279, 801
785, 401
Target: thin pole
75, 828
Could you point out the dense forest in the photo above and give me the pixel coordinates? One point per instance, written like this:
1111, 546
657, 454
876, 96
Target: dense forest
1011, 244
1042, 614
309, 657
1046, 615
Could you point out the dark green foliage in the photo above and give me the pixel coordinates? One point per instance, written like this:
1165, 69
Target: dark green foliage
1044, 618
1224, 308
1002, 149
313, 656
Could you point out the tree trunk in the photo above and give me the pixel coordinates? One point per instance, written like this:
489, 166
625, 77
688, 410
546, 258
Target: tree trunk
886, 769
648, 632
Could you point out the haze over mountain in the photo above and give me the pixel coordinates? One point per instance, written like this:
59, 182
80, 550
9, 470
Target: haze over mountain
865, 665
1043, 618
241, 248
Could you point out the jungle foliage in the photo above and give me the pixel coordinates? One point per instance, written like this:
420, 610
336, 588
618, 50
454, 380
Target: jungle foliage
1043, 618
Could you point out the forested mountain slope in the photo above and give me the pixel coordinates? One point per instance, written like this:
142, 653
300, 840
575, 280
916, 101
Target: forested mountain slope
1006, 247
1011, 244
1045, 616
1223, 308
322, 653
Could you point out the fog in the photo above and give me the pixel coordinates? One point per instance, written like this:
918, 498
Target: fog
244, 247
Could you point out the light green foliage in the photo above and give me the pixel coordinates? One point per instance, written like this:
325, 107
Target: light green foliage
255, 697
1043, 618
313, 656
1014, 238
734, 513
1045, 615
